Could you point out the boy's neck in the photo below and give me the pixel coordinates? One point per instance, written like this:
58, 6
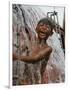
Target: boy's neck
42, 42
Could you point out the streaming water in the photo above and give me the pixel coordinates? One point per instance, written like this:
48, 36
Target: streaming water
25, 19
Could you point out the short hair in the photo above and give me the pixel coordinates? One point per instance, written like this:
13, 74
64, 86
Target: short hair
47, 21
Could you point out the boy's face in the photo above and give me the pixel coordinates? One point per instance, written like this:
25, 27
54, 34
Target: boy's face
43, 31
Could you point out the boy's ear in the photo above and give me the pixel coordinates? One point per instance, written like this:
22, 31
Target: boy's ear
51, 32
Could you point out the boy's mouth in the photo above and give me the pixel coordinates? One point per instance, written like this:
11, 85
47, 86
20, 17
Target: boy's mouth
42, 35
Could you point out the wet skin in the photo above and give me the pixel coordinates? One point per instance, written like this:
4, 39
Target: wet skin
43, 31
38, 53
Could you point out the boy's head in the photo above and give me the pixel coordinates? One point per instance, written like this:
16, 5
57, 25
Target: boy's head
44, 28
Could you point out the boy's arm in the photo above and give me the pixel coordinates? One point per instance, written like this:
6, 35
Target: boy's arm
37, 56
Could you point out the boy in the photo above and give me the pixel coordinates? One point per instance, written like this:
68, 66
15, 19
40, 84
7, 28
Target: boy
40, 51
